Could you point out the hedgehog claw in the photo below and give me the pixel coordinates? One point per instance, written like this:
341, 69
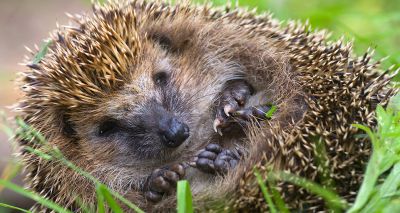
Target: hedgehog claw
228, 109
216, 126
232, 99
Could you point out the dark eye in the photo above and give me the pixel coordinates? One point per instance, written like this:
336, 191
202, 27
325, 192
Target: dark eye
108, 127
160, 78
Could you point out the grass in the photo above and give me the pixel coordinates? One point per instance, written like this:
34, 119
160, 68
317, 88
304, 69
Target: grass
13, 208
184, 197
380, 189
385, 157
42, 52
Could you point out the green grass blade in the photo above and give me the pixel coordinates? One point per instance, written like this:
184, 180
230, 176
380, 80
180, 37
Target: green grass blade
371, 135
385, 192
333, 200
393, 206
85, 208
29, 133
14, 208
368, 184
109, 198
90, 177
372, 172
265, 192
127, 202
385, 156
38, 153
42, 52
184, 197
280, 203
45, 202
392, 182
100, 200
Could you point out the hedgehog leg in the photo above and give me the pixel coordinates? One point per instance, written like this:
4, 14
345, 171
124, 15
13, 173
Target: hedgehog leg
216, 160
163, 181
233, 98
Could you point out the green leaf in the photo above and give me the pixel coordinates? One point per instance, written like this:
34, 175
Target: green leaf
184, 197
271, 112
385, 192
42, 52
373, 197
393, 206
394, 103
371, 176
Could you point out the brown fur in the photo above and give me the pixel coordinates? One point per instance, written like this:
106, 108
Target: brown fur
104, 67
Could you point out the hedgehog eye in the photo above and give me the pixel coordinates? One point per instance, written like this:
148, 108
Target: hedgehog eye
160, 78
107, 128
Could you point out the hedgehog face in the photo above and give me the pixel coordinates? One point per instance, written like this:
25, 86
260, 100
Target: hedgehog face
148, 118
156, 107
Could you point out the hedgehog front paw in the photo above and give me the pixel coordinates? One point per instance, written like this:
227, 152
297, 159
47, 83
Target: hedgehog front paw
163, 181
233, 98
214, 159
231, 108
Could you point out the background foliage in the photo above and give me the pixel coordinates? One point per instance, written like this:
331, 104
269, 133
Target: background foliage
371, 23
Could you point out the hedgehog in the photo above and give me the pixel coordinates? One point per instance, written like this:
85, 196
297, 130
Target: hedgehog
142, 94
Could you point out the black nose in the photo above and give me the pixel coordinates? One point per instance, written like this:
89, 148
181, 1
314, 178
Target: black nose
173, 132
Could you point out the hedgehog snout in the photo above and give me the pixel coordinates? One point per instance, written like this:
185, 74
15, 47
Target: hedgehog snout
173, 132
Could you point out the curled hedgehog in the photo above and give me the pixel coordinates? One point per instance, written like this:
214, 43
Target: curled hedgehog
144, 94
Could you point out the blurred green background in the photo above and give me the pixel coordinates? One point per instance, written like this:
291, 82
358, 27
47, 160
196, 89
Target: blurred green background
371, 23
